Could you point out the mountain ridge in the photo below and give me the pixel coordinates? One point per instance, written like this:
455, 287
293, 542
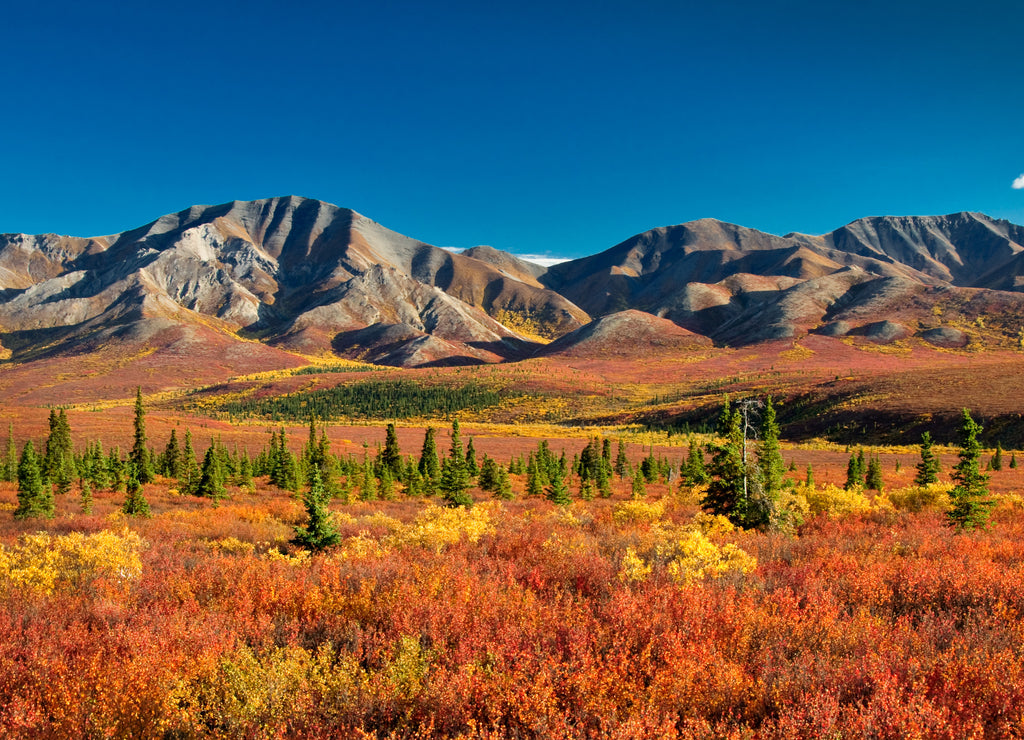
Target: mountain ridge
302, 275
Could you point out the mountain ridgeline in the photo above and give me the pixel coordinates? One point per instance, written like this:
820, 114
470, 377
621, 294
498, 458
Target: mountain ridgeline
302, 276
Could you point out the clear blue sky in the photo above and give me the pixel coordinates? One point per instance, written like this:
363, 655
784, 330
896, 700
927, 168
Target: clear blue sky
537, 127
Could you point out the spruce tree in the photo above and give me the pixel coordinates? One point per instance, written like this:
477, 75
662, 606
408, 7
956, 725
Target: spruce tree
34, 498
693, 472
387, 484
726, 495
85, 498
534, 478
139, 456
170, 462
557, 491
368, 481
454, 482
211, 478
997, 458
769, 454
873, 480
58, 464
319, 532
472, 469
1013, 460
503, 489
856, 469
188, 468
245, 472
809, 482
639, 487
621, 461
970, 505
488, 479
135, 503
391, 455
429, 465
928, 468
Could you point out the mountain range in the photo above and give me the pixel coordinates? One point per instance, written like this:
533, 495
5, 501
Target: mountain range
280, 276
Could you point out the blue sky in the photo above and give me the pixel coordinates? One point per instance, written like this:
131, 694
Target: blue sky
555, 128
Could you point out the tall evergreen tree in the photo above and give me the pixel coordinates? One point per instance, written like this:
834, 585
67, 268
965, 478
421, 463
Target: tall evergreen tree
769, 454
557, 491
693, 472
135, 503
639, 487
34, 498
188, 468
970, 505
726, 494
503, 488
319, 532
211, 478
391, 455
928, 468
621, 461
57, 457
454, 483
429, 465
534, 478
873, 480
170, 461
139, 456
472, 468
856, 469
997, 458
85, 498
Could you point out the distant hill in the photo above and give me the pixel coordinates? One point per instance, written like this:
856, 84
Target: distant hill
294, 275
741, 286
297, 274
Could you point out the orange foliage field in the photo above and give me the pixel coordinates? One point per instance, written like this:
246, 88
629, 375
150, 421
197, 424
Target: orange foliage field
609, 618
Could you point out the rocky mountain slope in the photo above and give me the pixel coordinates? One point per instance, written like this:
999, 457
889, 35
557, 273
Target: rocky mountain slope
289, 275
298, 274
739, 286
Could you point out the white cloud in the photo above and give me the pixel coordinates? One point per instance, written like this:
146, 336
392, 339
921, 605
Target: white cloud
1018, 184
541, 260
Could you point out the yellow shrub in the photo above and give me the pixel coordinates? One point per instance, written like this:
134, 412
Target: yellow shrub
693, 557
233, 546
633, 568
834, 501
712, 524
917, 498
46, 563
382, 520
631, 512
250, 694
437, 527
301, 557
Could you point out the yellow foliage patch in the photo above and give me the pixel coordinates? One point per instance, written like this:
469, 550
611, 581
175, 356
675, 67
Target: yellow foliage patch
45, 563
437, 527
835, 501
631, 512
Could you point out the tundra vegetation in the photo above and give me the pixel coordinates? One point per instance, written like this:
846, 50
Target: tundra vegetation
447, 587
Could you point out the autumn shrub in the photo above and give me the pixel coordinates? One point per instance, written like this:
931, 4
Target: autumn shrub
45, 563
917, 498
834, 501
638, 511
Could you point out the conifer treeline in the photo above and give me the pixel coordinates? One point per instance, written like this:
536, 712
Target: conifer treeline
374, 399
744, 489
